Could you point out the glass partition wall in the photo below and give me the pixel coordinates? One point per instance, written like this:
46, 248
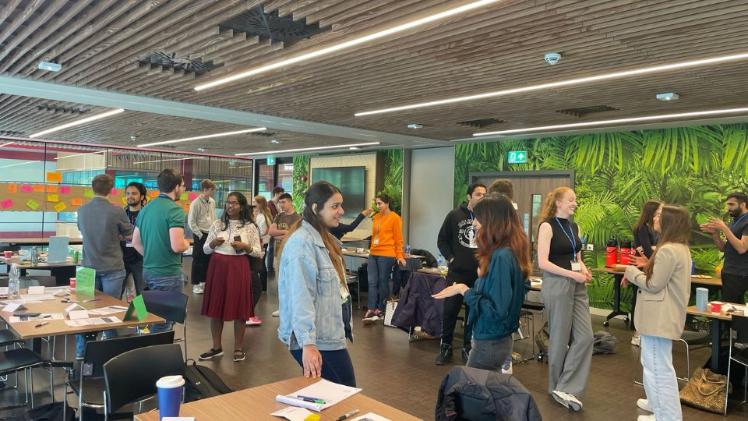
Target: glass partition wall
42, 184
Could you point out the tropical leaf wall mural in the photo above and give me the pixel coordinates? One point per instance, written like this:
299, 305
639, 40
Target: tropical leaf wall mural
615, 173
300, 180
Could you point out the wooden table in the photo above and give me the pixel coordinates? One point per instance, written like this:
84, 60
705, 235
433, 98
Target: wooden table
258, 403
708, 282
62, 271
27, 330
715, 326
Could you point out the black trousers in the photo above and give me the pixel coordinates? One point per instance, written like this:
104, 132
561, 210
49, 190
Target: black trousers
200, 260
734, 287
452, 307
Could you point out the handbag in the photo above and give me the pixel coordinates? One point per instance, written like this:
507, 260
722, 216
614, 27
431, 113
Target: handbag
389, 311
705, 390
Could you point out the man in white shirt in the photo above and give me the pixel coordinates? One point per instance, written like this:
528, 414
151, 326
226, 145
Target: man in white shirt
201, 217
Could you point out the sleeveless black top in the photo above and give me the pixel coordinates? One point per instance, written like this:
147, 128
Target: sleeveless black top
565, 243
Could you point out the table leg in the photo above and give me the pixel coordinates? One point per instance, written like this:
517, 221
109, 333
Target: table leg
635, 291
716, 343
617, 278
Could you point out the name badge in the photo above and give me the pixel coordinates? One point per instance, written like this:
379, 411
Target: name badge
375, 241
576, 266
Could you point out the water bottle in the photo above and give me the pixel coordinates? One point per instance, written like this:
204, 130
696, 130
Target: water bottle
14, 281
34, 256
407, 250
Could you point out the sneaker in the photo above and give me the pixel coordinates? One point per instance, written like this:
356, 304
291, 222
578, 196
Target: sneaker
379, 313
445, 355
643, 404
239, 356
636, 340
276, 313
198, 289
254, 321
646, 418
568, 400
370, 314
211, 354
506, 368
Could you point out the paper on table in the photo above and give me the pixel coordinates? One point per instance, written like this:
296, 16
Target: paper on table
36, 290
299, 403
11, 307
328, 391
3, 290
32, 297
291, 413
78, 314
106, 310
78, 323
369, 417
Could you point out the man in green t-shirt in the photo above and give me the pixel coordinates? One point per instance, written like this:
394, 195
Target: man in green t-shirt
159, 236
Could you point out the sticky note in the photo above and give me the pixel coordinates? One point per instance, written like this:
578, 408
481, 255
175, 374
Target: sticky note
88, 194
54, 177
152, 194
77, 201
124, 200
183, 196
192, 196
32, 204
114, 192
38, 188
51, 189
53, 198
12, 188
60, 207
6, 204
64, 189
26, 188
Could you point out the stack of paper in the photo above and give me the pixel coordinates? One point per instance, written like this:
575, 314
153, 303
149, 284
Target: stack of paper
327, 391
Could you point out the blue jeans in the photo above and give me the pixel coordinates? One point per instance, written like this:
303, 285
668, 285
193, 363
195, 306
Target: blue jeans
110, 283
660, 383
163, 283
336, 366
379, 269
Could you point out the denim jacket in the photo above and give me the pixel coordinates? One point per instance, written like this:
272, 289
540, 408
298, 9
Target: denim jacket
309, 294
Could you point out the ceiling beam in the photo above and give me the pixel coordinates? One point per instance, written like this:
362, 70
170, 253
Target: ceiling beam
54, 91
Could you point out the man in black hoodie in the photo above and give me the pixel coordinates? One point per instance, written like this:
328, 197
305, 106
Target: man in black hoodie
456, 243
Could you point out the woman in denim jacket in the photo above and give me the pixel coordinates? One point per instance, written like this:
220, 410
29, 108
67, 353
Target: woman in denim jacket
315, 307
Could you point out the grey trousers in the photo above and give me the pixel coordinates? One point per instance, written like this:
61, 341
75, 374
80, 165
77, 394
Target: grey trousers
570, 351
490, 354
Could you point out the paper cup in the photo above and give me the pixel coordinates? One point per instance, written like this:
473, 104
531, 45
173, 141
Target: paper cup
170, 390
716, 306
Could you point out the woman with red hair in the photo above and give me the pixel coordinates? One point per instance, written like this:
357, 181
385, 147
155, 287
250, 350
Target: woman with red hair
496, 299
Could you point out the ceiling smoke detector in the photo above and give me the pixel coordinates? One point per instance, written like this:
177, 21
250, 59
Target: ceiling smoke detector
667, 96
552, 58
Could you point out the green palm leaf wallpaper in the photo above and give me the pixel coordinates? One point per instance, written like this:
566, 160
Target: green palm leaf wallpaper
617, 172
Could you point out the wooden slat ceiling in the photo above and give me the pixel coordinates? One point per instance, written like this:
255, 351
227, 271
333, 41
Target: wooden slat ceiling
500, 46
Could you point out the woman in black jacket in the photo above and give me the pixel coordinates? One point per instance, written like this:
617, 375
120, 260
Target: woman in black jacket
645, 243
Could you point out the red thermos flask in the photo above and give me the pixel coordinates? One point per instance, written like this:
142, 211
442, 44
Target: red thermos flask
611, 253
625, 255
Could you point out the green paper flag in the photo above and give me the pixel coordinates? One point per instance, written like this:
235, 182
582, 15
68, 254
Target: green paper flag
88, 194
137, 306
85, 282
184, 196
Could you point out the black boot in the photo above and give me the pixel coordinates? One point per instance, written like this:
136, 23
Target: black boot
445, 355
465, 354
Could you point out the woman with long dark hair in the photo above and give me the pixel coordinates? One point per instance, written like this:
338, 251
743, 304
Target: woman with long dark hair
664, 291
496, 299
315, 304
645, 243
228, 291
263, 218
567, 304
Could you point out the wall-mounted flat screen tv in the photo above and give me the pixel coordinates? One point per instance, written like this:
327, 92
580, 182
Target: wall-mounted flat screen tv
352, 183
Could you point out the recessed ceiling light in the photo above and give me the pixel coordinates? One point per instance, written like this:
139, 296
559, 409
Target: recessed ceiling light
354, 148
201, 149
618, 121
667, 96
50, 66
563, 83
275, 141
317, 148
209, 136
78, 122
348, 44
415, 126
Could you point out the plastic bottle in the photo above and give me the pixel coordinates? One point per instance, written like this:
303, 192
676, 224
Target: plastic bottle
14, 281
34, 256
407, 250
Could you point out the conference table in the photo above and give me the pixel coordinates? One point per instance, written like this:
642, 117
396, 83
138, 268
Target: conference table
258, 403
716, 321
62, 271
35, 241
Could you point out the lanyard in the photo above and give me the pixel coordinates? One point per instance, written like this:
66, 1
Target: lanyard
571, 238
737, 221
471, 214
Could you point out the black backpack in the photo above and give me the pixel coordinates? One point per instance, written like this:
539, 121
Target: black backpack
202, 382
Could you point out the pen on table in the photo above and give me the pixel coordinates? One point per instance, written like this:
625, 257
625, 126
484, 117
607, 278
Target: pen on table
42, 324
347, 415
311, 399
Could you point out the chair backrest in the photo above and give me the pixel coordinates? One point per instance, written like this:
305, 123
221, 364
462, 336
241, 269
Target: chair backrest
740, 325
171, 305
99, 352
132, 376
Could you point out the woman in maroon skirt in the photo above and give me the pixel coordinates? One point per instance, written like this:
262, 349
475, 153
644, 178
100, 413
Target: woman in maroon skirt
228, 292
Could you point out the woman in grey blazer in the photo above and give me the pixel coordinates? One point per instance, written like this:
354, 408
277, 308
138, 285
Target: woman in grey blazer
664, 290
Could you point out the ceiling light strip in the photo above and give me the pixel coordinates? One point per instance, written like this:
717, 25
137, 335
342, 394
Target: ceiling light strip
617, 121
563, 83
6, 144
318, 148
78, 122
210, 136
348, 44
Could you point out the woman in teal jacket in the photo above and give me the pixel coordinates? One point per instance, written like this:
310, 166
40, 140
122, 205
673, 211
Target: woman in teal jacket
496, 299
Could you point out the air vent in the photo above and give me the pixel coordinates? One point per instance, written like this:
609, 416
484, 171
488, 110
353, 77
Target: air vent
584, 111
270, 26
11, 133
263, 134
170, 62
57, 109
480, 123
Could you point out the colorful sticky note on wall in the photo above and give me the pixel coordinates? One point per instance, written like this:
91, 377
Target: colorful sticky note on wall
32, 204
54, 177
12, 188
153, 193
88, 194
25, 188
51, 189
53, 198
60, 207
64, 189
183, 196
77, 201
38, 188
6, 204
114, 192
192, 196
124, 200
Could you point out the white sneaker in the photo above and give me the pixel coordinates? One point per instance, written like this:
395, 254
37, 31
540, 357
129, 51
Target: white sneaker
636, 340
568, 400
198, 289
506, 368
276, 313
650, 417
643, 404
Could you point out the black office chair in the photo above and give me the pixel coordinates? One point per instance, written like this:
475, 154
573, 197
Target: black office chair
132, 376
23, 359
171, 306
90, 383
739, 351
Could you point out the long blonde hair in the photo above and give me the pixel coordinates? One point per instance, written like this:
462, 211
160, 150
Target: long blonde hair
549, 204
675, 227
262, 205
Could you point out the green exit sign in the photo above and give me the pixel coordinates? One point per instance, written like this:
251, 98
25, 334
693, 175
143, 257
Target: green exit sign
517, 157
271, 160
